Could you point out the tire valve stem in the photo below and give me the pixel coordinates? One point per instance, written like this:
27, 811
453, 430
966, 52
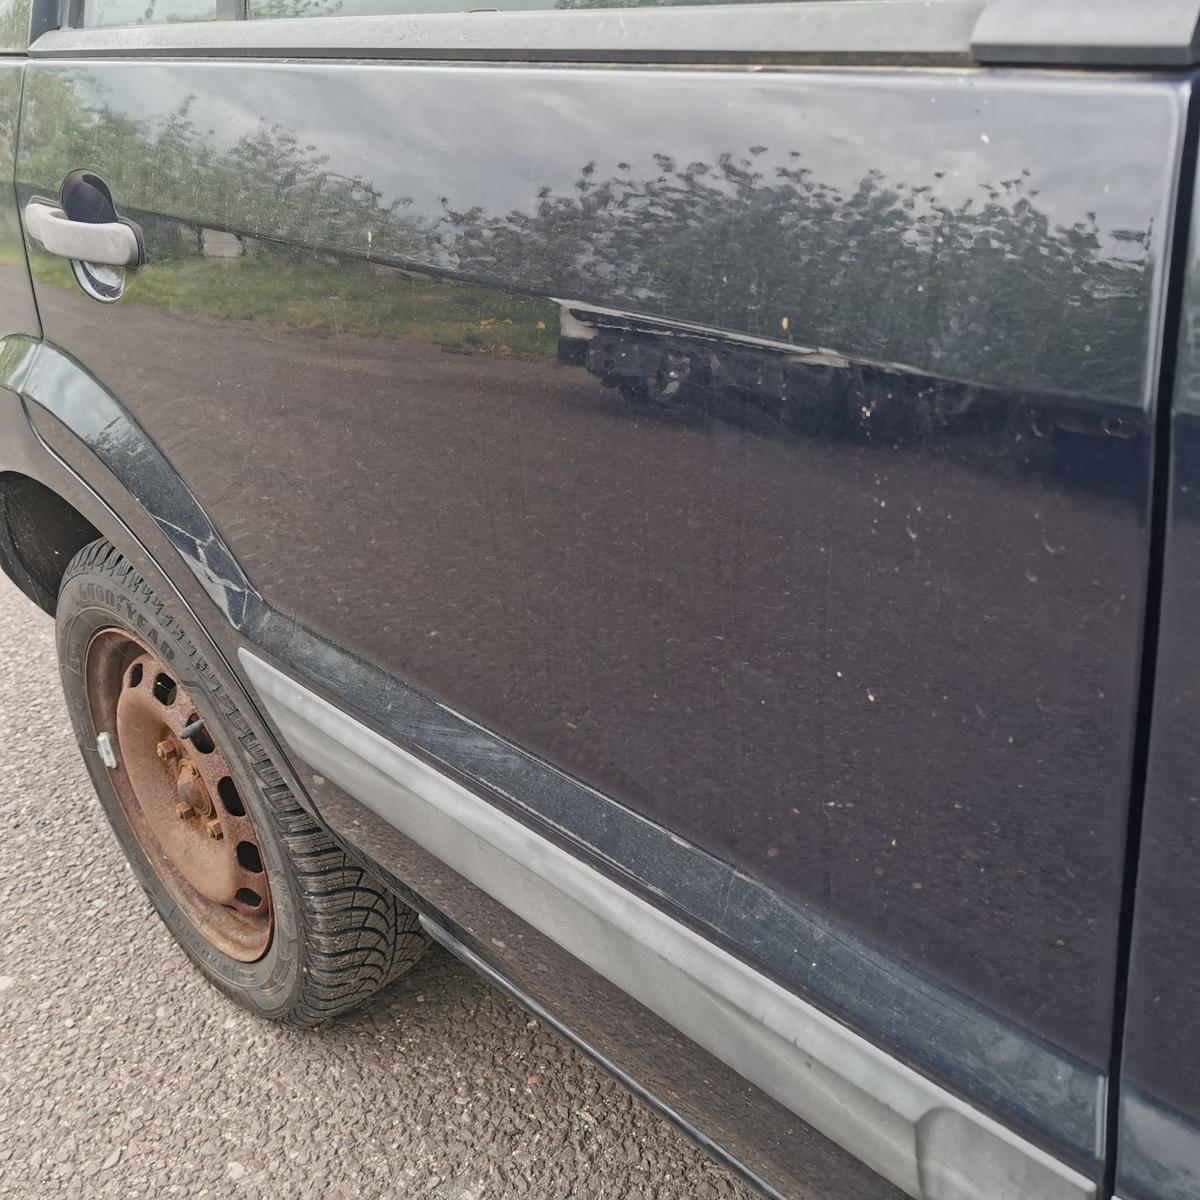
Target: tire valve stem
189, 731
107, 750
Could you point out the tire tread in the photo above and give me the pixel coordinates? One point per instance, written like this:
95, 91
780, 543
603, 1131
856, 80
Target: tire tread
357, 936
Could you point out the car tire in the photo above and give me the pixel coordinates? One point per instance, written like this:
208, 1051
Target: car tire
325, 935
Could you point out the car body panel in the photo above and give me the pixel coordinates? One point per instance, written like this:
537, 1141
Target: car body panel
741, 478
17, 311
1159, 1142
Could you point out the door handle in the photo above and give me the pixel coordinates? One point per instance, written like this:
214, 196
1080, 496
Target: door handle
110, 243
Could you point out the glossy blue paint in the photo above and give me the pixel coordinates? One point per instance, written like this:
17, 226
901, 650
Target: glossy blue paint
886, 998
53, 382
744, 475
1159, 1141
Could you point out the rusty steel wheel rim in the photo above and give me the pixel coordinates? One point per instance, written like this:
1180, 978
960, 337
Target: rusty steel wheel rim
178, 794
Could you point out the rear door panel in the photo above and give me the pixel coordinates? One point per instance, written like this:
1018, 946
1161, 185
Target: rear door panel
764, 456
1159, 1150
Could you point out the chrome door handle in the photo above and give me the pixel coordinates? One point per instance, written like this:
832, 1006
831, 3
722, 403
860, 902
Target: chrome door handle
112, 243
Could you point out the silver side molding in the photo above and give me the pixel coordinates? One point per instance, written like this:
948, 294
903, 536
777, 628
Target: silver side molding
914, 1133
1158, 1150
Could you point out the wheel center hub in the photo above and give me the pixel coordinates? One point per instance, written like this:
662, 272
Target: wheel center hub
194, 802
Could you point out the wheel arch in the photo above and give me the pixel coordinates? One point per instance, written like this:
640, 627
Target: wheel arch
40, 532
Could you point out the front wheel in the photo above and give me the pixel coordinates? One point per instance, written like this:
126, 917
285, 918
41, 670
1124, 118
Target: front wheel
260, 897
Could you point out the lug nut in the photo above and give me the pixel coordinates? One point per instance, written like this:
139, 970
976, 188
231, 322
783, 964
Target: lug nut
214, 829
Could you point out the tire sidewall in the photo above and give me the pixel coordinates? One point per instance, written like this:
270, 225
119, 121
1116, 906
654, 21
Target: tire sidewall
115, 597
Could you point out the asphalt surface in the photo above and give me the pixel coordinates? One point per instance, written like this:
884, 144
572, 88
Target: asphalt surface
122, 1073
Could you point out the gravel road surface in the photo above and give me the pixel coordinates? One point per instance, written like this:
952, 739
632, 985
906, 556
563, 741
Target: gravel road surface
123, 1074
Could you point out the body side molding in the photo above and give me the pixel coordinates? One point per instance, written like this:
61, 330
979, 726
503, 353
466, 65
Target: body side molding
1159, 1153
914, 1133
468, 956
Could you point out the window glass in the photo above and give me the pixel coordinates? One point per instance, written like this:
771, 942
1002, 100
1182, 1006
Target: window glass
96, 13
14, 24
359, 8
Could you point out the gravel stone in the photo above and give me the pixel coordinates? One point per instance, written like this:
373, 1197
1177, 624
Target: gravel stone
168, 1085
